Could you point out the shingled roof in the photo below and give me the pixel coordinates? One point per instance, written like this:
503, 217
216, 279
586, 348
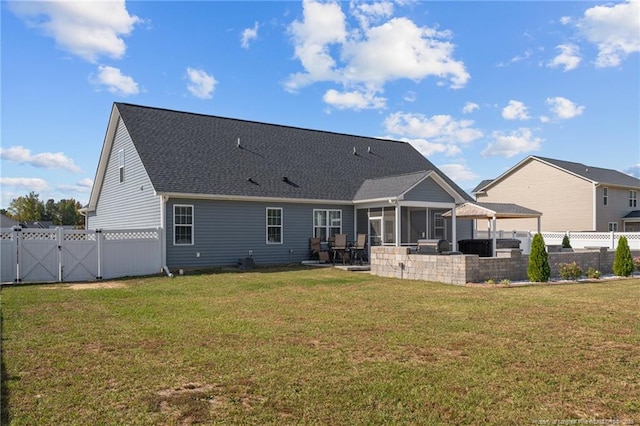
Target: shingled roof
590, 173
194, 154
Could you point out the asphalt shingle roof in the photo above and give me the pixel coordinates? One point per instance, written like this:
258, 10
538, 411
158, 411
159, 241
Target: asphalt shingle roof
595, 174
191, 153
388, 187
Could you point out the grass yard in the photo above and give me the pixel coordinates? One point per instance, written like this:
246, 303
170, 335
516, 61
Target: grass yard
319, 346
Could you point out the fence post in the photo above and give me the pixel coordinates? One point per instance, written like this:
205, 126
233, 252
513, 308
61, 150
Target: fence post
17, 235
99, 244
613, 240
60, 238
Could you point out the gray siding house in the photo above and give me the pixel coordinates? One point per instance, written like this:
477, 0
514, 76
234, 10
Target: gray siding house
221, 189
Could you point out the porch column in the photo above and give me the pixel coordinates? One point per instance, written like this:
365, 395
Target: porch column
398, 227
493, 225
454, 237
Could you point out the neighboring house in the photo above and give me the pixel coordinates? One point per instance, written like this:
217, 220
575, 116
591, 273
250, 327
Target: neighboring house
223, 188
6, 222
571, 196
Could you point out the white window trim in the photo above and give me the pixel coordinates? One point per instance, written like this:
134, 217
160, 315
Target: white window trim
327, 226
281, 226
192, 225
121, 165
613, 227
633, 198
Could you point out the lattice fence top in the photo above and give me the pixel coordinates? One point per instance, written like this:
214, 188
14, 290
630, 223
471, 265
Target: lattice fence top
79, 236
6, 236
131, 235
39, 235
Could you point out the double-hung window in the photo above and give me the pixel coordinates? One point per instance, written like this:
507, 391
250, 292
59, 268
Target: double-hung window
274, 225
605, 196
633, 198
326, 223
182, 225
121, 165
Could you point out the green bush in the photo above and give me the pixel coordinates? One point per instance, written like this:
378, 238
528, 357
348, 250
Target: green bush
593, 273
538, 269
623, 262
570, 271
565, 241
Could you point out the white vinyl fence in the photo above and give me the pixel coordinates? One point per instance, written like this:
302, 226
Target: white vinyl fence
57, 255
578, 240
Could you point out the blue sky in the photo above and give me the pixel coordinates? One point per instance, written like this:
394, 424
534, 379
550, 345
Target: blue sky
475, 86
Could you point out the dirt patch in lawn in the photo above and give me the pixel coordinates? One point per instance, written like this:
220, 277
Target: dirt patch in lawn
90, 286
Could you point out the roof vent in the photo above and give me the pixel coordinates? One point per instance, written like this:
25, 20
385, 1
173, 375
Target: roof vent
354, 151
285, 179
252, 181
369, 150
240, 146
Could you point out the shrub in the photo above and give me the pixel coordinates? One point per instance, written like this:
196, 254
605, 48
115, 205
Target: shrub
565, 241
490, 281
623, 262
570, 271
636, 262
538, 269
506, 281
593, 273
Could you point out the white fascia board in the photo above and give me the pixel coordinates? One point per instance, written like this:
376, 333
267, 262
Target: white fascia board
104, 158
217, 197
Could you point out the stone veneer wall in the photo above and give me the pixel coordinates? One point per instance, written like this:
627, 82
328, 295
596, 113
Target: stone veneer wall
509, 264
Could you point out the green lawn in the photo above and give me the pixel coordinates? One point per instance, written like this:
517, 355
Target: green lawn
319, 346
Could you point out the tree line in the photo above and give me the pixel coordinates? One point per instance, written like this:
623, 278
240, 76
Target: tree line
30, 208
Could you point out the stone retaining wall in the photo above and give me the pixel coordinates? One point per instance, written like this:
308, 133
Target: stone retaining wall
509, 264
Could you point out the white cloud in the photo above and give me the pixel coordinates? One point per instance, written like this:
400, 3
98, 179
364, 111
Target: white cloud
30, 184
614, 29
510, 144
469, 107
46, 160
565, 20
569, 57
633, 170
88, 29
516, 110
440, 133
353, 100
365, 59
371, 12
201, 84
427, 148
82, 186
458, 172
563, 108
116, 82
249, 34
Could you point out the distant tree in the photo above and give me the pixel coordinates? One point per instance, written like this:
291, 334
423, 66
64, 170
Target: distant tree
50, 210
565, 241
623, 262
4, 212
27, 209
68, 213
538, 269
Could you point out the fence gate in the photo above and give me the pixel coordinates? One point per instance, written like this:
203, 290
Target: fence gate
38, 255
54, 255
79, 256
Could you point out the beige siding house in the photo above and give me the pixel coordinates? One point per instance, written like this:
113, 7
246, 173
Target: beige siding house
571, 196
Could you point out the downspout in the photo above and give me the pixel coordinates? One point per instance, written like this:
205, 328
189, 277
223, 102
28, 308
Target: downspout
595, 206
163, 235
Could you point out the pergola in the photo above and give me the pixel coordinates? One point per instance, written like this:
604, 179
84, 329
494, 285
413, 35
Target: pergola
492, 212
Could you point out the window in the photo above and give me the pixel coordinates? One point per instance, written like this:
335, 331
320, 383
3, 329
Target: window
121, 164
182, 225
605, 196
327, 223
274, 225
438, 226
633, 198
613, 226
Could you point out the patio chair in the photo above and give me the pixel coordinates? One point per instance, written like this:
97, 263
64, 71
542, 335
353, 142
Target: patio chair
314, 248
360, 248
340, 248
